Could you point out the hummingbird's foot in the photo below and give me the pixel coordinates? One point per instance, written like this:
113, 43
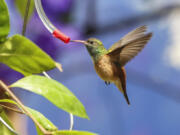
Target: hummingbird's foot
107, 83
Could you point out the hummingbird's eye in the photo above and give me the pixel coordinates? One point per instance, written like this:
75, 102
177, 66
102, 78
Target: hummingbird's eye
91, 42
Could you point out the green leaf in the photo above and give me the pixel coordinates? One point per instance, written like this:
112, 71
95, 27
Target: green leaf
5, 118
73, 132
8, 101
39, 132
48, 125
54, 91
4, 21
3, 129
24, 56
21, 6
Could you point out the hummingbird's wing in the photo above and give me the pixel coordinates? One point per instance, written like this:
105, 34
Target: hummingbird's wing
129, 37
129, 46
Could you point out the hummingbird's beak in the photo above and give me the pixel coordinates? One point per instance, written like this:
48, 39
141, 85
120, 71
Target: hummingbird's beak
80, 41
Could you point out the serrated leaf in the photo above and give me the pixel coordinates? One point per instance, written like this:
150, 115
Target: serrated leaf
73, 132
4, 21
54, 91
21, 6
47, 124
22, 55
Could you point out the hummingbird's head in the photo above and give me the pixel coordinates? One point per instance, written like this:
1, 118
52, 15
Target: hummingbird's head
93, 42
94, 46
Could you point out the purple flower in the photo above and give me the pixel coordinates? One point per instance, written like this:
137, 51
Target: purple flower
8, 75
57, 8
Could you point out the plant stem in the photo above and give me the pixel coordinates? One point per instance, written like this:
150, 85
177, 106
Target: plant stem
26, 17
9, 91
5, 87
12, 109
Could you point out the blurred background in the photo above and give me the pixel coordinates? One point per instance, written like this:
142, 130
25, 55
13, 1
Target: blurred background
152, 77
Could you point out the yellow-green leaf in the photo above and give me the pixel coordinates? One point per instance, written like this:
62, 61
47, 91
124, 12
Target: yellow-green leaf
22, 55
4, 21
47, 124
3, 129
54, 91
8, 101
39, 132
73, 132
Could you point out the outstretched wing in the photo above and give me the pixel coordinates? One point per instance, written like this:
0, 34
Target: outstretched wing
130, 45
129, 37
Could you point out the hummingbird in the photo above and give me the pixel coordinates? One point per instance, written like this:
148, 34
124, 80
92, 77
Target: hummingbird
109, 64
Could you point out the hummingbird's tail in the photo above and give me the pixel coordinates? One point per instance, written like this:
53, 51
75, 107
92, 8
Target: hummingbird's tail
126, 97
121, 83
